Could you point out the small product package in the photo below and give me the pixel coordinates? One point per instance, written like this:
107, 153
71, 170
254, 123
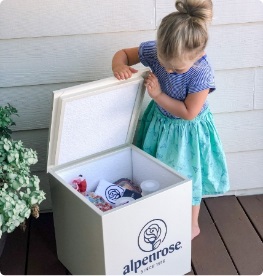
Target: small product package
132, 194
80, 184
109, 191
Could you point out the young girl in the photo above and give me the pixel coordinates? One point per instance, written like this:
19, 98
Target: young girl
177, 126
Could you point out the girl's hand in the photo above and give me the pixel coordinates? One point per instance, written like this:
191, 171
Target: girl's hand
123, 72
152, 84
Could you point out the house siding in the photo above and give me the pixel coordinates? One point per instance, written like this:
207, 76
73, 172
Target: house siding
53, 44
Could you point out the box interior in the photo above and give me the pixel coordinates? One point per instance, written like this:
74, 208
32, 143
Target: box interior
128, 162
95, 123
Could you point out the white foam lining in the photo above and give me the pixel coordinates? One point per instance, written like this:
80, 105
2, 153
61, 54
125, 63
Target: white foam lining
95, 122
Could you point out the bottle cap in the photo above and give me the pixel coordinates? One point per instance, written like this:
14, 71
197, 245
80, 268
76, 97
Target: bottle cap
149, 186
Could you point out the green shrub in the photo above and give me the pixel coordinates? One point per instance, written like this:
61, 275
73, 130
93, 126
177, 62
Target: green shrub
20, 194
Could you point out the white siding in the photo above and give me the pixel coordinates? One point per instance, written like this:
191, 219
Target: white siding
234, 91
241, 131
37, 18
244, 168
34, 104
259, 88
52, 44
62, 58
225, 12
236, 46
88, 57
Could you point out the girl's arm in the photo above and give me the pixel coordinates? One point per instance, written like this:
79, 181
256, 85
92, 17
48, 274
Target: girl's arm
122, 60
188, 109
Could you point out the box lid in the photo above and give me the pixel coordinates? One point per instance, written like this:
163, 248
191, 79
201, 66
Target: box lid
94, 117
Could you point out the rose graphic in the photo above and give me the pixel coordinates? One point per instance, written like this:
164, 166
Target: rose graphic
152, 235
112, 193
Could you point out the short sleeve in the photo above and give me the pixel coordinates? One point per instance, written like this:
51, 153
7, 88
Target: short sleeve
147, 53
202, 78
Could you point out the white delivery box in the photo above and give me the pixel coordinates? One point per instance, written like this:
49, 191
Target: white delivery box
91, 134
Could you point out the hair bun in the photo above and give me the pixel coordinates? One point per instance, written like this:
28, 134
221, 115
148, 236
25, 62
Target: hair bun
201, 9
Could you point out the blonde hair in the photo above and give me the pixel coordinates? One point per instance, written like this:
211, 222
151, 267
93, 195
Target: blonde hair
184, 31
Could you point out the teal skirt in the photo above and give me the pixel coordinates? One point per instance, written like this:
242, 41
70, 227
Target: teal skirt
193, 148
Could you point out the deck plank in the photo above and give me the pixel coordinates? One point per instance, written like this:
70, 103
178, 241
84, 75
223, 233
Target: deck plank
209, 255
15, 249
253, 206
241, 239
42, 257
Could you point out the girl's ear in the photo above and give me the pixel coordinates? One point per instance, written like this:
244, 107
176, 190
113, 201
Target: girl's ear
201, 54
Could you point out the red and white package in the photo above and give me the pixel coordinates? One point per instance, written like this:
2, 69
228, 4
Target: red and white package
80, 184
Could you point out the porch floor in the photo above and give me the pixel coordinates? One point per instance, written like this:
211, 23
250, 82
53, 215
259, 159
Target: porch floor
230, 242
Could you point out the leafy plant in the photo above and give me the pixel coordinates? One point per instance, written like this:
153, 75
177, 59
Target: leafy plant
6, 120
20, 193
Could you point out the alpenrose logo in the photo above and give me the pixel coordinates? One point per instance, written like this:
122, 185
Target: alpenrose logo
150, 238
113, 192
152, 235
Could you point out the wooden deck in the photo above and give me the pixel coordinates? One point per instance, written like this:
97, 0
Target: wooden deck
230, 242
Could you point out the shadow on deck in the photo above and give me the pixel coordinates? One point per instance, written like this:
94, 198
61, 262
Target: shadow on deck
230, 242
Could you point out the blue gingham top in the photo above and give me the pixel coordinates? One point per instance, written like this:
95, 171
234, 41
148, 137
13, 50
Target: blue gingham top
199, 77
